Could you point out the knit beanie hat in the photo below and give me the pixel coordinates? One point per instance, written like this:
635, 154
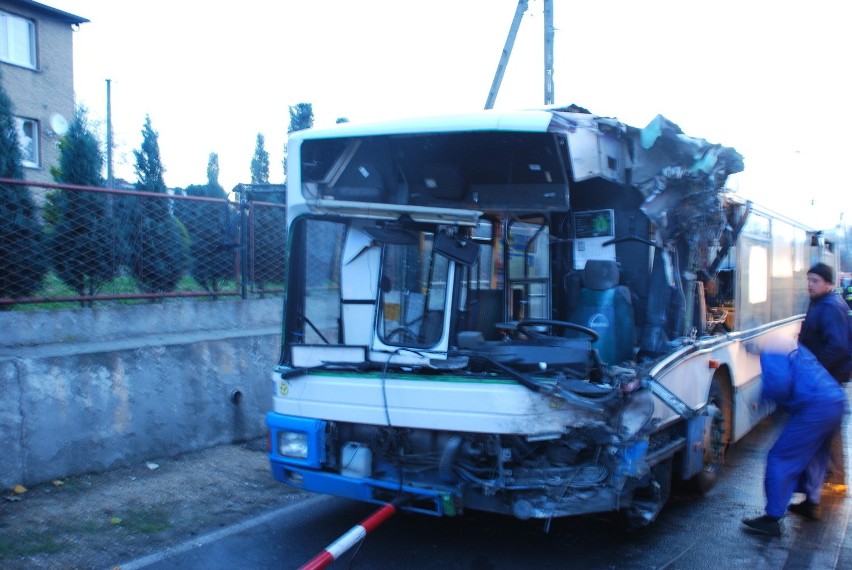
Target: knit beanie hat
824, 271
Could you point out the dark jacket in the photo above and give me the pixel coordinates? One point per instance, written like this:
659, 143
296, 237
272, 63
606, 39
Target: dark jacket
825, 332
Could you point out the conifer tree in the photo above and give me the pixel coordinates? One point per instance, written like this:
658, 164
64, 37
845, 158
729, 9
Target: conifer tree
10, 152
213, 172
260, 162
82, 243
23, 261
301, 118
211, 260
158, 241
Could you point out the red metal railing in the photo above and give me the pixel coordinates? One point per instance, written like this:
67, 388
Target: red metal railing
63, 243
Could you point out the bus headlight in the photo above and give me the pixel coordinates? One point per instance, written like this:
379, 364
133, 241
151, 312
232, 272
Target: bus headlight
293, 444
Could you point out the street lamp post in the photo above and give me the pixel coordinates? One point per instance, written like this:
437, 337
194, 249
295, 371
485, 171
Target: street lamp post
110, 179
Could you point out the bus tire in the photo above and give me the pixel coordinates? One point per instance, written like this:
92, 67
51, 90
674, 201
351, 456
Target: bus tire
716, 441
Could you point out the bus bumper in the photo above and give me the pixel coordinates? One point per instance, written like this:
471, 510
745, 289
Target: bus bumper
297, 454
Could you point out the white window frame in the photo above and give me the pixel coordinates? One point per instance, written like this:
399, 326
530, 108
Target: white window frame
17, 40
28, 139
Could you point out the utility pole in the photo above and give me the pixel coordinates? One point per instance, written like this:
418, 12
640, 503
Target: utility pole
548, 52
507, 51
110, 179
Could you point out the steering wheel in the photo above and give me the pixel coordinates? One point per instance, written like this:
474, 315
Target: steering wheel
404, 333
528, 323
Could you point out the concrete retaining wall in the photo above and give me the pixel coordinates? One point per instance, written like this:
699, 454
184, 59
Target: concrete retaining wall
86, 390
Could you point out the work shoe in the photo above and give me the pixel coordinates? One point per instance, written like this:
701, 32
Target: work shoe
764, 525
836, 488
806, 509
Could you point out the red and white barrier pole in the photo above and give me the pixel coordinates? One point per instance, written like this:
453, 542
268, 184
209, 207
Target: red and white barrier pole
354, 535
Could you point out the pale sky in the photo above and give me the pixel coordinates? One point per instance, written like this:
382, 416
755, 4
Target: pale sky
770, 79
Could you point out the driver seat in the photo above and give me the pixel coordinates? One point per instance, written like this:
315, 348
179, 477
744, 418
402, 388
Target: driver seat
606, 307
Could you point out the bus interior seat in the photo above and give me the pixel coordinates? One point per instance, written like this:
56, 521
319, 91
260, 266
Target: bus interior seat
606, 307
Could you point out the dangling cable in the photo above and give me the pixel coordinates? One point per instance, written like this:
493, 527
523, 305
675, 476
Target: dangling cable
384, 390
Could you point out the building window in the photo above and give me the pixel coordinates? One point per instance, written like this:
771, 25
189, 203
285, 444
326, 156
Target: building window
17, 40
28, 141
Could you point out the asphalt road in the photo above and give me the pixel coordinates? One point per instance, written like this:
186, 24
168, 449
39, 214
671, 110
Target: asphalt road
692, 532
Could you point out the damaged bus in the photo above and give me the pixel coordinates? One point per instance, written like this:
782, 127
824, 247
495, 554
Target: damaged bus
541, 314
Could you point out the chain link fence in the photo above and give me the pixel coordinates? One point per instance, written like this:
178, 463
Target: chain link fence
65, 245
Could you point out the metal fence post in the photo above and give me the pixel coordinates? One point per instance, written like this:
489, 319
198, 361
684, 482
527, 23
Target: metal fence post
244, 218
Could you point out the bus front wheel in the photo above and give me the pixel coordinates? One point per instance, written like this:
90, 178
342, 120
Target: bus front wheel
718, 437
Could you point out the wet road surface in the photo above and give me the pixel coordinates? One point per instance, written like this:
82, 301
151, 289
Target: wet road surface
692, 532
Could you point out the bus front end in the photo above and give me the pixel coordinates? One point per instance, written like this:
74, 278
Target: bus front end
474, 309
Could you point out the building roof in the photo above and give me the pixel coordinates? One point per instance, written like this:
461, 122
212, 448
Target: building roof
51, 12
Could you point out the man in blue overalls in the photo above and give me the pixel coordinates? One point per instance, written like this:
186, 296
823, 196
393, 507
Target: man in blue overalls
799, 458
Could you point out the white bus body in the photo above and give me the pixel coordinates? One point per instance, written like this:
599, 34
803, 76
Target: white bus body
543, 313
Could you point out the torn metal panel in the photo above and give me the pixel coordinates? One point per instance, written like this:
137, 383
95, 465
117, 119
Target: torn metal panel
596, 144
662, 144
682, 179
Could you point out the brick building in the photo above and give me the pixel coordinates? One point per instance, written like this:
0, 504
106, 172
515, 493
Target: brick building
37, 71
